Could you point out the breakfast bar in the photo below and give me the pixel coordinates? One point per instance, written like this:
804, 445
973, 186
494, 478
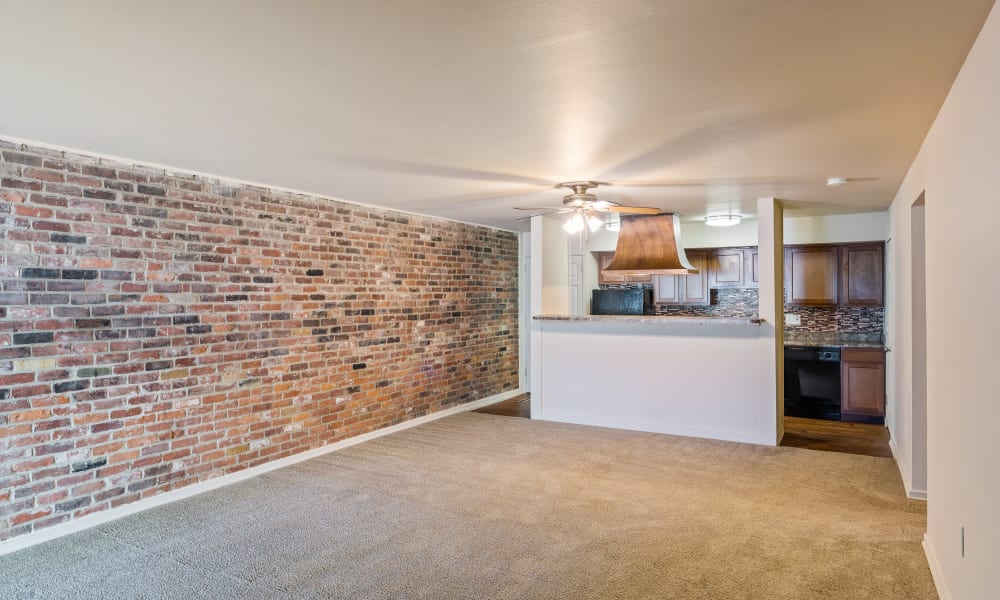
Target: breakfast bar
693, 376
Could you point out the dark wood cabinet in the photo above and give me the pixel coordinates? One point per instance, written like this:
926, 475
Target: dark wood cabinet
811, 275
684, 289
862, 384
606, 277
835, 274
862, 274
726, 268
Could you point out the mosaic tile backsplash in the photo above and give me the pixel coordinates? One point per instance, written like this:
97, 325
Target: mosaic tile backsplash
744, 302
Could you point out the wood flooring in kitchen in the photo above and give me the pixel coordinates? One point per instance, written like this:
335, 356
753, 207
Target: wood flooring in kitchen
812, 434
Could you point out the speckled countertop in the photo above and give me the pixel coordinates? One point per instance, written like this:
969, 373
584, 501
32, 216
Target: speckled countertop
834, 338
650, 319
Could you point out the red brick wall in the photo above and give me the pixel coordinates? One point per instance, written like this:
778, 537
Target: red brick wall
161, 329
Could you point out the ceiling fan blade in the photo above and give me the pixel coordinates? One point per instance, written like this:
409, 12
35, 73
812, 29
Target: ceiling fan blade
548, 208
718, 181
393, 165
551, 212
633, 210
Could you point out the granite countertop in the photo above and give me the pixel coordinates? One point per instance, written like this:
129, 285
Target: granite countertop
650, 319
834, 338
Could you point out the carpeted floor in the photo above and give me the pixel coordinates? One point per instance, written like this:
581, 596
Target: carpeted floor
481, 506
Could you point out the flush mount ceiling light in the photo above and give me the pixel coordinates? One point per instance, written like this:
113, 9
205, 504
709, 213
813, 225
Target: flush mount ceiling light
723, 220
836, 181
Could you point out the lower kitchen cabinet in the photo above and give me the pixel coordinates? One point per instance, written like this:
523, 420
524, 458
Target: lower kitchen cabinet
862, 384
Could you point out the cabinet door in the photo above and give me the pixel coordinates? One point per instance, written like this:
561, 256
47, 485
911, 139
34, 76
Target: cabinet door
862, 274
753, 267
603, 260
862, 383
684, 289
726, 268
811, 274
667, 289
696, 286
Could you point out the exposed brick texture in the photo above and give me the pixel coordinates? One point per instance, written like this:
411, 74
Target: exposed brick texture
159, 329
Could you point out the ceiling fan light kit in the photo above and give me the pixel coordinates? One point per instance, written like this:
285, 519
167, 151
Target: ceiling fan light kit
585, 207
723, 220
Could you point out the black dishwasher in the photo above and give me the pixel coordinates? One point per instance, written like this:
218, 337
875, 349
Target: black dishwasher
812, 382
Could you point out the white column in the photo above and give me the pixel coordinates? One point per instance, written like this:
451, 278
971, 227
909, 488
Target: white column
770, 254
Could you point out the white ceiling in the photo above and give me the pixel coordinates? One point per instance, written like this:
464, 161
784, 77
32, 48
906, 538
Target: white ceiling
467, 108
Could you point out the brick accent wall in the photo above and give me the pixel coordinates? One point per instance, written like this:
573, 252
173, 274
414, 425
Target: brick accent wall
159, 329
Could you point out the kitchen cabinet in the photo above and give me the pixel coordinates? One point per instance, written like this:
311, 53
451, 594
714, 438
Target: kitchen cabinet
862, 384
849, 275
811, 275
606, 277
862, 274
726, 268
685, 289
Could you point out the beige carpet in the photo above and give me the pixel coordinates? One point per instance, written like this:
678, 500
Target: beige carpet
481, 506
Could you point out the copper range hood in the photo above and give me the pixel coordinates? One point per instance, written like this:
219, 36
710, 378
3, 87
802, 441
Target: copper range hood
650, 244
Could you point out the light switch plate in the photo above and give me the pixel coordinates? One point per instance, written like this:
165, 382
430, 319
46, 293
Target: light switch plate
791, 319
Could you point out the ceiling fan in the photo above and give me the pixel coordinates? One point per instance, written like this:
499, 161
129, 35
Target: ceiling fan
584, 207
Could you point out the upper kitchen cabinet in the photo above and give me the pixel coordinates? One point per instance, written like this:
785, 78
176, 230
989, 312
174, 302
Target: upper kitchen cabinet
850, 275
606, 277
753, 267
684, 289
862, 274
811, 275
726, 268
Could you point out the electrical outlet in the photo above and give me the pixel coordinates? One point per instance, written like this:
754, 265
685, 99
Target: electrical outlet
791, 319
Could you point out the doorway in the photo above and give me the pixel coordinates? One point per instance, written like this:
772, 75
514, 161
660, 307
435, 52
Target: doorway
918, 363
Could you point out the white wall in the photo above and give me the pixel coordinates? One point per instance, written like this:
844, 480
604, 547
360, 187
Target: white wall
699, 235
829, 229
958, 169
835, 229
550, 264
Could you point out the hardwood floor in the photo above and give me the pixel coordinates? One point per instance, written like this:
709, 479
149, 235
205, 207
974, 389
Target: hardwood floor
837, 436
518, 406
812, 434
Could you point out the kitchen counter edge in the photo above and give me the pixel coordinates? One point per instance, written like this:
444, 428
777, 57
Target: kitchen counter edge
650, 319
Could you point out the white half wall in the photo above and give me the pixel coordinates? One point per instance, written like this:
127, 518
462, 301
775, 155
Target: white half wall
958, 171
698, 380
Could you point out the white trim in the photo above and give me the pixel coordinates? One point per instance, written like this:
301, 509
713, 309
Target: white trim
178, 171
910, 492
100, 518
936, 573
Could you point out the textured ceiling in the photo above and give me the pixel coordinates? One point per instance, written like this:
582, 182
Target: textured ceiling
467, 108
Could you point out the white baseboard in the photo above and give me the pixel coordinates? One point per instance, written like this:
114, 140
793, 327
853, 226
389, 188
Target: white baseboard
653, 427
907, 485
936, 573
92, 520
